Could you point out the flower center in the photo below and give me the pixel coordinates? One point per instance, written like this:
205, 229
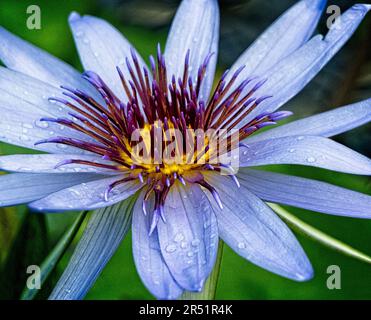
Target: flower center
164, 131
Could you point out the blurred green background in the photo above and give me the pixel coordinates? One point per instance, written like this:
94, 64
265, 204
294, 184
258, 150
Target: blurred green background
27, 238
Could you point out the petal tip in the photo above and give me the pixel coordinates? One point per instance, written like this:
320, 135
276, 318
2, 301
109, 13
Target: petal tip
304, 275
73, 16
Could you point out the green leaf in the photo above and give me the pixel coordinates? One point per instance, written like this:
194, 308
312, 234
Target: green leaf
55, 255
209, 290
29, 248
318, 235
9, 225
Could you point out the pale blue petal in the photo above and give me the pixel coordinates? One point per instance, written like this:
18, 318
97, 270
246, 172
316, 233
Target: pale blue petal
47, 163
325, 124
102, 48
103, 234
255, 232
87, 196
189, 237
23, 102
293, 73
306, 193
283, 37
22, 188
26, 58
148, 258
305, 150
195, 28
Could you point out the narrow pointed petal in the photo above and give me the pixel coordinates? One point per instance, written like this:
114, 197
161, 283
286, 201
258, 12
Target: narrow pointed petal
102, 48
52, 163
103, 234
308, 151
86, 196
325, 124
293, 73
306, 193
23, 102
22, 188
189, 237
148, 258
196, 28
26, 58
282, 38
255, 232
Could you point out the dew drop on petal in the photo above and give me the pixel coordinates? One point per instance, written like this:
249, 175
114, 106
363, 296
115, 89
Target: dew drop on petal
41, 124
178, 237
241, 245
311, 159
170, 248
195, 242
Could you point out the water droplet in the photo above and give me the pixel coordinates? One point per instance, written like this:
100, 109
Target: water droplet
190, 254
183, 245
195, 242
86, 41
41, 124
291, 150
311, 159
96, 54
23, 137
170, 248
178, 237
244, 153
300, 138
241, 245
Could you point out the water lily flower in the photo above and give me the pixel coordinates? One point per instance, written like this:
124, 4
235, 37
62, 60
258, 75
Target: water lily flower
84, 125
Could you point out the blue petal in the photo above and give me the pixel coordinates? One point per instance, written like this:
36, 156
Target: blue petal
46, 163
26, 58
293, 73
189, 237
102, 48
21, 125
26, 187
148, 258
254, 231
306, 193
305, 150
87, 196
195, 28
325, 124
103, 234
282, 38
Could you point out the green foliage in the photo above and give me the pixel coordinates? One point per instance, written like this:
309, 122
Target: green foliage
29, 248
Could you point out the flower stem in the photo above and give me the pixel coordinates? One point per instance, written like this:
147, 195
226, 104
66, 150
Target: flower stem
209, 290
317, 235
